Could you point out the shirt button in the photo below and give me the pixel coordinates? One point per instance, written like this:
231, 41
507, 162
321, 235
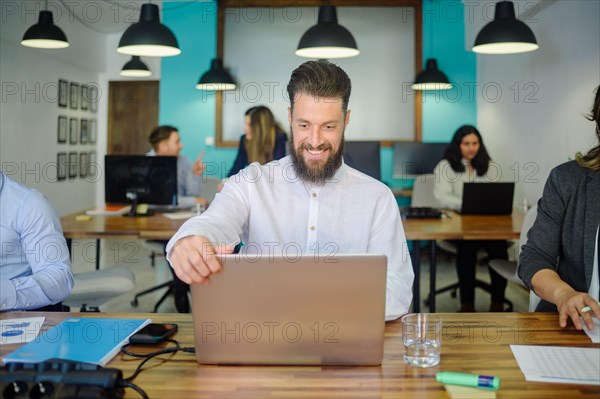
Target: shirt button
314, 195
312, 228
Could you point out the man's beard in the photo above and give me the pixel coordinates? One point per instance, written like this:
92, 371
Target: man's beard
317, 173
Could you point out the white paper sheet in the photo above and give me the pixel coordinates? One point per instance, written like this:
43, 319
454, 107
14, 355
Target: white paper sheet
17, 331
558, 364
594, 335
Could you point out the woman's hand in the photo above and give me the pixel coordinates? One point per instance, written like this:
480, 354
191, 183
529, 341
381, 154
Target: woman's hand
575, 304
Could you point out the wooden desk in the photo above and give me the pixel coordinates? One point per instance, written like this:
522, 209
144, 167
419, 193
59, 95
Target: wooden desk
455, 227
472, 343
155, 227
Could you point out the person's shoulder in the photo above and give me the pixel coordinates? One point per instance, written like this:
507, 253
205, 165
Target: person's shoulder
567, 171
15, 189
280, 135
365, 181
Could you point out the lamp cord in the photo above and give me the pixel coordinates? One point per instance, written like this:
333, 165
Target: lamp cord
124, 7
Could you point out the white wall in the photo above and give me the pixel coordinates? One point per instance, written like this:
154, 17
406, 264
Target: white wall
537, 122
29, 78
29, 109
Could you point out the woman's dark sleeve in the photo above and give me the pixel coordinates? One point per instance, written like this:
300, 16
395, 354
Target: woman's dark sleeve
241, 160
280, 145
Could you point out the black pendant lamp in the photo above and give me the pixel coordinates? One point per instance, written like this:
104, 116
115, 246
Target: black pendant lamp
431, 78
135, 68
216, 78
505, 34
327, 39
45, 34
149, 37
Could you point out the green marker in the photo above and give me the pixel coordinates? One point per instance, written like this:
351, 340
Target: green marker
468, 380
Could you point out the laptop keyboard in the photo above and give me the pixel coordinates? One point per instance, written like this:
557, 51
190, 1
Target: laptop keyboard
420, 212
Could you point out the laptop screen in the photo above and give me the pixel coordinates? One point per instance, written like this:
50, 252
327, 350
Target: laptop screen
487, 198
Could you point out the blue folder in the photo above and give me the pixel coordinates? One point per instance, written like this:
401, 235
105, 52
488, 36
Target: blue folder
81, 339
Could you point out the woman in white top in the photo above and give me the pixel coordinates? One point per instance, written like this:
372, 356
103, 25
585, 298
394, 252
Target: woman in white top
466, 160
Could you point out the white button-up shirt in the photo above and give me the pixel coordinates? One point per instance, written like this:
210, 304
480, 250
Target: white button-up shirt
269, 209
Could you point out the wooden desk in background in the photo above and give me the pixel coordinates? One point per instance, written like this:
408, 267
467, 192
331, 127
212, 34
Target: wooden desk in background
475, 343
456, 227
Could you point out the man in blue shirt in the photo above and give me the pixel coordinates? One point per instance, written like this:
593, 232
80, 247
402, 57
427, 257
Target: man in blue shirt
35, 267
165, 141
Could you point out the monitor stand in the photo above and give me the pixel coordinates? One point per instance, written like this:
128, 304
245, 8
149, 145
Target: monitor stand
134, 205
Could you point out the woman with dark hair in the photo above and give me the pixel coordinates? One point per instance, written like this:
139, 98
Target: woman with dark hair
466, 160
560, 260
263, 141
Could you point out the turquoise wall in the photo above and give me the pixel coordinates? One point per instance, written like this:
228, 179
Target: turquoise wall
444, 39
181, 104
193, 111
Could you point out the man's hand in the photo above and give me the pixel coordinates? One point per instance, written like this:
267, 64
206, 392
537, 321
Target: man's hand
198, 167
574, 304
194, 259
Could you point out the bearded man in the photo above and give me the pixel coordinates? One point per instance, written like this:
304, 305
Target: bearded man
308, 202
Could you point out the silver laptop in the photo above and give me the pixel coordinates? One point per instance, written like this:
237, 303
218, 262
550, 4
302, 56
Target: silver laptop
306, 310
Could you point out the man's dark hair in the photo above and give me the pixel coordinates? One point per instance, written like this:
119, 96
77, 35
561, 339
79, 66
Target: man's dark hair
161, 133
320, 79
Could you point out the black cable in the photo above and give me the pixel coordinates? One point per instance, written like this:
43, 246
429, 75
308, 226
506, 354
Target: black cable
152, 355
133, 354
84, 23
129, 384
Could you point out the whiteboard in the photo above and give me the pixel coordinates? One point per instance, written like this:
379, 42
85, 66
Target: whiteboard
258, 51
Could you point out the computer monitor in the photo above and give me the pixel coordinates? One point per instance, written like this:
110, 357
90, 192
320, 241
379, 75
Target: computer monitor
364, 156
140, 179
412, 159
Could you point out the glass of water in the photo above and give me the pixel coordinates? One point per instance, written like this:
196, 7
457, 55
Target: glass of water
422, 338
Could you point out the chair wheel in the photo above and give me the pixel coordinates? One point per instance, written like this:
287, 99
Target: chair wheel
134, 303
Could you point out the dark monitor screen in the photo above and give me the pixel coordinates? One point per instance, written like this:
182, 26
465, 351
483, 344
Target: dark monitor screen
364, 156
412, 159
152, 179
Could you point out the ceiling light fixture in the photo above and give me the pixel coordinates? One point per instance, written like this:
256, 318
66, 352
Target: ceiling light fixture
45, 34
216, 78
327, 39
135, 68
505, 34
149, 37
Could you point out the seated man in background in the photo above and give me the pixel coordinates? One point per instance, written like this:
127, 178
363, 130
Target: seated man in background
310, 198
35, 266
165, 141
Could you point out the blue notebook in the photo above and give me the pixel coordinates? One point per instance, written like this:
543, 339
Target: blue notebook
90, 340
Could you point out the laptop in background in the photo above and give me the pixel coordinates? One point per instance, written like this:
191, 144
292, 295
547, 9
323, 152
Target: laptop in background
487, 198
300, 310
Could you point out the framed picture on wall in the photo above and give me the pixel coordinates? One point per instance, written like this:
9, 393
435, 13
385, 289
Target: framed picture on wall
92, 131
93, 166
85, 102
83, 131
83, 165
73, 164
63, 93
93, 98
61, 166
74, 95
73, 130
62, 129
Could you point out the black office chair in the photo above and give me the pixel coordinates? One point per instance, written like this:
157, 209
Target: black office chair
171, 287
453, 288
